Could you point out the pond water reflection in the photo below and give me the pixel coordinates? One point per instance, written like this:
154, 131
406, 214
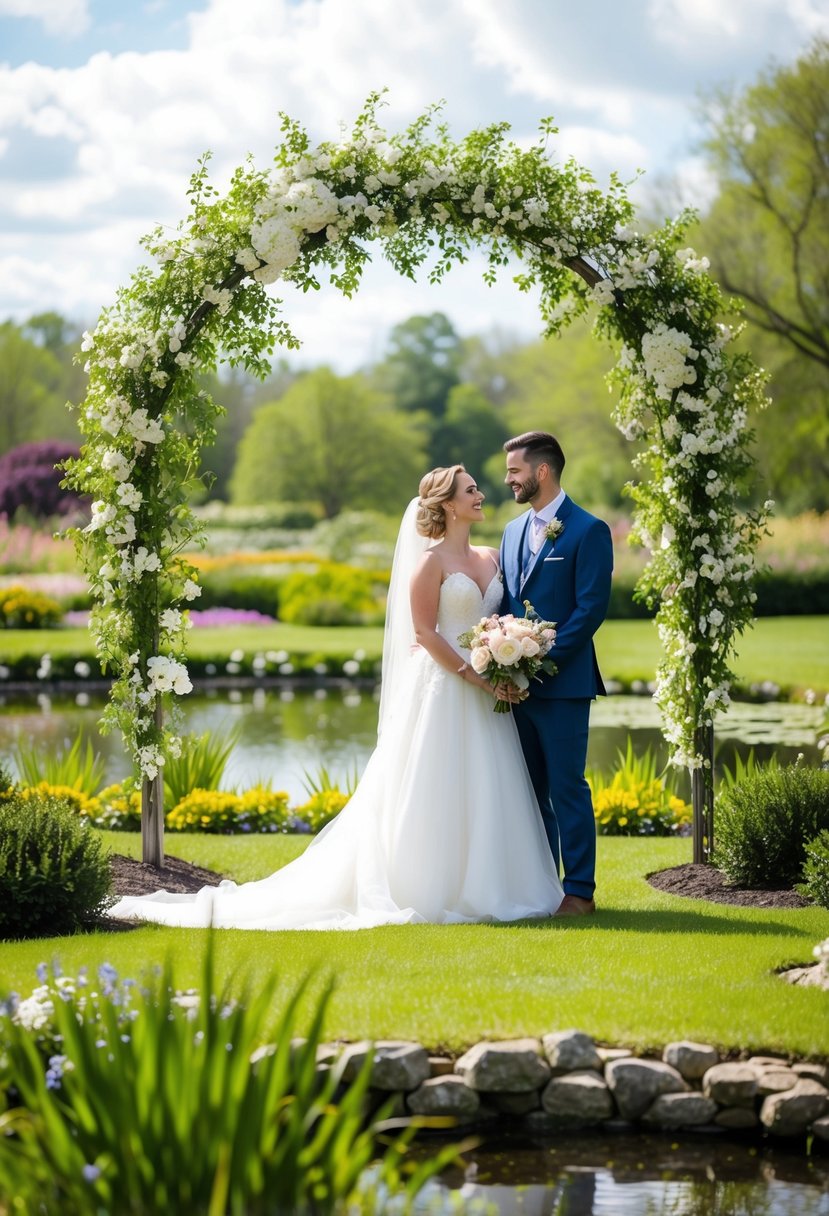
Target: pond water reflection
623, 1175
285, 731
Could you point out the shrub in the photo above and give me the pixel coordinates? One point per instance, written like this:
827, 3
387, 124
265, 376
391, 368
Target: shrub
229, 589
6, 780
637, 801
215, 811
54, 874
763, 825
30, 480
21, 608
815, 885
334, 595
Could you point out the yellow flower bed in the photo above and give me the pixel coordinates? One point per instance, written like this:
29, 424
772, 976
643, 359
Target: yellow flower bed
321, 808
256, 810
21, 608
268, 557
80, 802
631, 807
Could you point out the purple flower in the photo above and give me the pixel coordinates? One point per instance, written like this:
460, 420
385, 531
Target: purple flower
218, 618
91, 1173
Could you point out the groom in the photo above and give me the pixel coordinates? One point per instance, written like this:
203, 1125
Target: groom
560, 558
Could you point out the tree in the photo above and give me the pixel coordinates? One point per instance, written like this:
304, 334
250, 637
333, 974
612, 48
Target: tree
333, 441
472, 431
29, 376
767, 234
558, 386
769, 226
30, 480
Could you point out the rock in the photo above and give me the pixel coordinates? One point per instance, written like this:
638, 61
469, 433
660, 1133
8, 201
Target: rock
680, 1110
578, 1099
606, 1054
731, 1084
768, 1061
736, 1118
635, 1083
691, 1060
444, 1096
515, 1103
814, 976
441, 1066
820, 1127
813, 1070
571, 1051
775, 1081
791, 1113
397, 1065
509, 1066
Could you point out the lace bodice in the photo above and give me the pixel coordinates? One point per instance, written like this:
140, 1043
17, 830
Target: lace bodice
461, 604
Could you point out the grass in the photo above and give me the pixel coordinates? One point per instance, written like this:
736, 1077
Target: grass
649, 968
791, 651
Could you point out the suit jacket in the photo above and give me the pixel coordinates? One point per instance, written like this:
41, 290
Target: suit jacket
567, 581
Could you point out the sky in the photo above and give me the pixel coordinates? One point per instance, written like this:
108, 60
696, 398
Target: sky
105, 106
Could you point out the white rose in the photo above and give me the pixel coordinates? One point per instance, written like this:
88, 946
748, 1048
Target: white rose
480, 659
506, 651
529, 647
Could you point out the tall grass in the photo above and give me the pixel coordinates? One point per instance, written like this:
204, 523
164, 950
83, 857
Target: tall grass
75, 766
200, 765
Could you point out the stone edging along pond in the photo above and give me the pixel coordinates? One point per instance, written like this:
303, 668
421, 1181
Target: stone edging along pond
564, 1082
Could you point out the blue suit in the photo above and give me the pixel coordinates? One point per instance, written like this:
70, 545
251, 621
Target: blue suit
567, 581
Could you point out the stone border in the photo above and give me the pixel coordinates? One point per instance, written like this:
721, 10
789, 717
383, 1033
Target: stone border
564, 1082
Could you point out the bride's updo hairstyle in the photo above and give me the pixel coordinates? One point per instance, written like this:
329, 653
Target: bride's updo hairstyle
436, 488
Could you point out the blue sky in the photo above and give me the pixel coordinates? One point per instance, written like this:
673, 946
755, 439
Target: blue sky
105, 106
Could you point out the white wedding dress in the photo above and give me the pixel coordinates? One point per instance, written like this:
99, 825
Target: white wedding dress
443, 827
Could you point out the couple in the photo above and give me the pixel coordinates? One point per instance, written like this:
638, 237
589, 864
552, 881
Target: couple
444, 826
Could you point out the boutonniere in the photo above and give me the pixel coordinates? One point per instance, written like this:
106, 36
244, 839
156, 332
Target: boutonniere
554, 528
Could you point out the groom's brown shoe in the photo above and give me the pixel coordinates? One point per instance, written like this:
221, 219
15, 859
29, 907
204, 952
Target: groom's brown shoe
574, 905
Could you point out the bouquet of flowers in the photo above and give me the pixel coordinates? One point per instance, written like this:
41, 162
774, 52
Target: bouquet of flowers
510, 649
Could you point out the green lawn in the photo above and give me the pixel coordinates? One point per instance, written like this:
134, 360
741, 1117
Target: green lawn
647, 969
791, 651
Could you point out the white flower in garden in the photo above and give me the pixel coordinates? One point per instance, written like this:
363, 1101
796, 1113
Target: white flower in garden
103, 513
374, 213
604, 291
168, 675
127, 533
191, 590
664, 354
248, 259
145, 560
129, 496
35, 1011
690, 261
221, 297
171, 620
143, 428
277, 245
177, 335
372, 183
116, 463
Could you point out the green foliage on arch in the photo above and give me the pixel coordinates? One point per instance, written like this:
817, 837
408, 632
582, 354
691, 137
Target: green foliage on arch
427, 201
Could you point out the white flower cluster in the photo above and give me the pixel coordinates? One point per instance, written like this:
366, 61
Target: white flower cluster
665, 352
281, 221
167, 675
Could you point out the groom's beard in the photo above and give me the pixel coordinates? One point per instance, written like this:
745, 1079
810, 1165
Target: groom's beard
526, 491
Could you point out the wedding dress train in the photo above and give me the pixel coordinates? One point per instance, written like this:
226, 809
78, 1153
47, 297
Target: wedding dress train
443, 826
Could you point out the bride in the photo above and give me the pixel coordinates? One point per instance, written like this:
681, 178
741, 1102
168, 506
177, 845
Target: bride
444, 826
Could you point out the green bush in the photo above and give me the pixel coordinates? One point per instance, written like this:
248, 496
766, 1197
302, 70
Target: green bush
763, 825
815, 883
779, 593
54, 873
230, 589
335, 594
21, 608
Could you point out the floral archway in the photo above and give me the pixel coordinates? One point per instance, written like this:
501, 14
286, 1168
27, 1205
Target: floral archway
423, 198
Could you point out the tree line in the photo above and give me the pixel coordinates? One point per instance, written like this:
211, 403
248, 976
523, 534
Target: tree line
437, 398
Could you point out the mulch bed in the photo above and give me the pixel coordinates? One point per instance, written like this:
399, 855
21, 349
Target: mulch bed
131, 877
696, 881
693, 881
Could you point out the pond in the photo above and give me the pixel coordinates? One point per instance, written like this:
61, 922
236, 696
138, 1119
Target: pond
600, 1175
285, 732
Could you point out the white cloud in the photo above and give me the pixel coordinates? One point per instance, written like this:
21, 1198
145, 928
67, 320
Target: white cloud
64, 18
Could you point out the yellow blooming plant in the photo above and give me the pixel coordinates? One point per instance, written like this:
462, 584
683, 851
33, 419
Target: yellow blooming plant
21, 608
321, 808
258, 809
636, 801
77, 799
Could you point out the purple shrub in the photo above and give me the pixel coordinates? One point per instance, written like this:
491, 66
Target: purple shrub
30, 481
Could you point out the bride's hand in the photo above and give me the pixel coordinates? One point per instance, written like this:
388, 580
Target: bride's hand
506, 691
